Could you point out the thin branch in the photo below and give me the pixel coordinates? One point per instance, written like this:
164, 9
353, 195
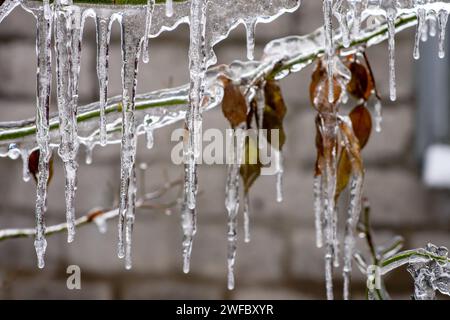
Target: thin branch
98, 214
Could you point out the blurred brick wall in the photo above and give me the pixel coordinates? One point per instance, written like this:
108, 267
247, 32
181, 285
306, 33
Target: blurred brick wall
282, 261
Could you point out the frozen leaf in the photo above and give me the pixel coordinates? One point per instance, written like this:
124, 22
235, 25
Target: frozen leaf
251, 167
361, 83
234, 106
33, 166
361, 123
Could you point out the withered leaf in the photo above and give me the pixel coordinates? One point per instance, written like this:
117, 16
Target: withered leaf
234, 105
33, 166
251, 167
362, 127
361, 123
274, 98
319, 148
318, 90
361, 83
274, 113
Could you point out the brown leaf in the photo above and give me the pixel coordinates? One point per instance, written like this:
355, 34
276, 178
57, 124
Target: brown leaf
271, 121
318, 90
319, 148
251, 167
361, 123
234, 105
361, 83
274, 98
33, 166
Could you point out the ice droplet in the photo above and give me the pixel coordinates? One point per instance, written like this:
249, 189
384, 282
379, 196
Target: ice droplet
250, 27
148, 23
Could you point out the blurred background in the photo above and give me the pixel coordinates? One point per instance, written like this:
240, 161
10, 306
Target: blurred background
282, 261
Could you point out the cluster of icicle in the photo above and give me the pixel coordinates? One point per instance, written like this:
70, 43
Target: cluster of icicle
210, 22
432, 19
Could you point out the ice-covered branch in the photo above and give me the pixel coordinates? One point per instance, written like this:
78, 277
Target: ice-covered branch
281, 57
98, 216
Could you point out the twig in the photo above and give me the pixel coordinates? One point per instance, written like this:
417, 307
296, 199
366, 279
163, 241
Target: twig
103, 214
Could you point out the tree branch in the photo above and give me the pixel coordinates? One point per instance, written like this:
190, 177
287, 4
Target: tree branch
99, 216
171, 104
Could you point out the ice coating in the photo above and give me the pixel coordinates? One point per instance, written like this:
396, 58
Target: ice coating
68, 34
132, 33
44, 78
236, 149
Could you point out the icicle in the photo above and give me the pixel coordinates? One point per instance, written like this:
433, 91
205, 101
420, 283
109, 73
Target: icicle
169, 8
345, 30
279, 169
424, 33
433, 24
25, 170
189, 226
329, 45
378, 115
44, 79
47, 10
129, 218
103, 24
148, 25
246, 218
89, 150
260, 106
68, 28
197, 67
232, 196
442, 19
132, 32
101, 224
150, 138
318, 208
421, 21
250, 27
335, 239
390, 16
357, 12
352, 219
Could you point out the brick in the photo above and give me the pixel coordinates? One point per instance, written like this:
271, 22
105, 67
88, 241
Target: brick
166, 288
307, 261
260, 260
18, 72
154, 248
387, 191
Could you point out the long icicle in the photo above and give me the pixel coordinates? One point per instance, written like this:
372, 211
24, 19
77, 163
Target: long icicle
44, 77
318, 210
189, 226
235, 149
103, 25
391, 14
68, 28
329, 44
421, 20
354, 209
132, 33
247, 237
197, 67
